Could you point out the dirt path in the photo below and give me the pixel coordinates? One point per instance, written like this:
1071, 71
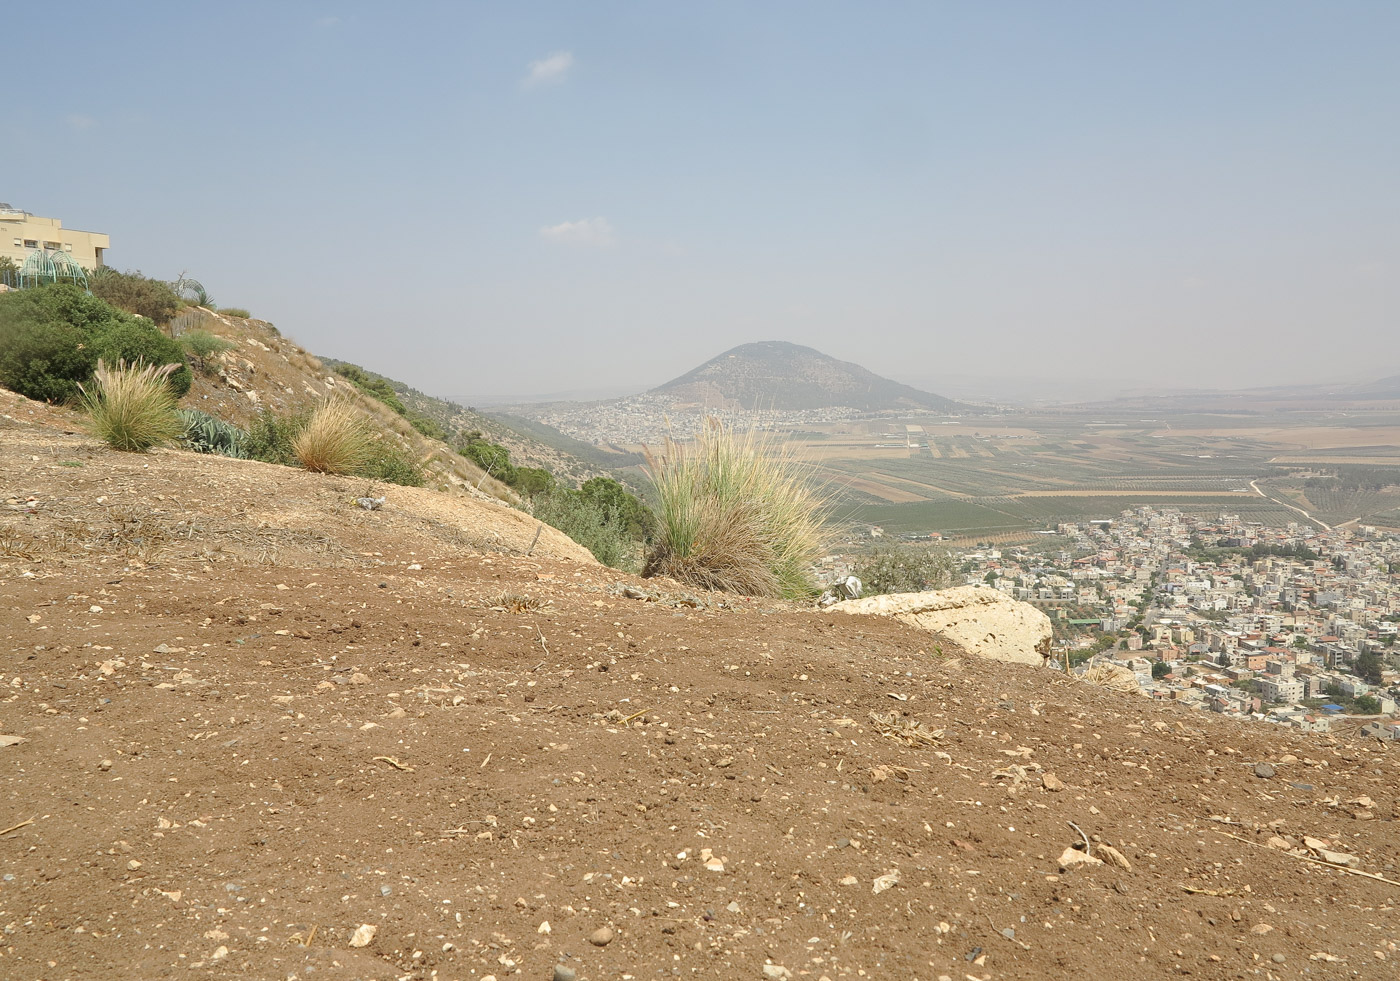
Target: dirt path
1318, 521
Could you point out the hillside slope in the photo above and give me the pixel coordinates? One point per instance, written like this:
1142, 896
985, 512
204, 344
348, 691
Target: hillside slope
258, 720
521, 437
781, 376
266, 372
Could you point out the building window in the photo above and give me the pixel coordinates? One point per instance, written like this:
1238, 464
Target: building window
19, 243
30, 243
53, 246
67, 246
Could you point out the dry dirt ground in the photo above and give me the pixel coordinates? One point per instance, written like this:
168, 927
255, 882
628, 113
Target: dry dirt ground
258, 722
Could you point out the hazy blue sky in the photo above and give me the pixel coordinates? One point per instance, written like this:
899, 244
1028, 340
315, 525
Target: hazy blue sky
489, 200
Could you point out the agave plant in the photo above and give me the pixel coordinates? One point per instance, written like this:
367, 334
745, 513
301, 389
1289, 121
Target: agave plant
204, 433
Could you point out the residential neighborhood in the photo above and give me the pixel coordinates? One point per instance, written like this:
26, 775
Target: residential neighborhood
1289, 625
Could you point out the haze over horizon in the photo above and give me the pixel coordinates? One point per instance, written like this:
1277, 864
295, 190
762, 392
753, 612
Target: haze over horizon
495, 203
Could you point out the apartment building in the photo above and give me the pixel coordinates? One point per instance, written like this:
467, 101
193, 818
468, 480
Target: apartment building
22, 234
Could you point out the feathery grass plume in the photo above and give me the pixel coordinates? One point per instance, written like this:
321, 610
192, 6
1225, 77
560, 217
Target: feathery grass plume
336, 439
737, 514
132, 407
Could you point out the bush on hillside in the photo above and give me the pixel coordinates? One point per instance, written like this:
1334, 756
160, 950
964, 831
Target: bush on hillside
337, 439
602, 517
736, 515
493, 458
391, 464
202, 345
372, 385
430, 428
134, 342
43, 361
628, 511
533, 481
134, 293
892, 568
236, 312
51, 337
271, 437
592, 524
132, 407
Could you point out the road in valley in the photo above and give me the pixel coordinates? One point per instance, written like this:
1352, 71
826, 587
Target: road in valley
1290, 507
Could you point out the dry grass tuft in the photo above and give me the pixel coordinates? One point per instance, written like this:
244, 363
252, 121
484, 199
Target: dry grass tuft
515, 603
337, 439
736, 514
132, 407
1113, 676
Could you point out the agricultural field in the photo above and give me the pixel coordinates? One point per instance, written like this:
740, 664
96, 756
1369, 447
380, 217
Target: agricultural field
1011, 476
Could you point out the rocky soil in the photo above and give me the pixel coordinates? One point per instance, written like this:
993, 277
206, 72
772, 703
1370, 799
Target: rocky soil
255, 731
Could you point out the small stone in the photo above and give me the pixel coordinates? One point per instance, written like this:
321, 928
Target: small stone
219, 954
1278, 958
776, 971
1071, 857
359, 678
602, 936
105, 765
363, 935
1052, 783
1264, 770
384, 890
133, 865
1336, 858
887, 881
562, 973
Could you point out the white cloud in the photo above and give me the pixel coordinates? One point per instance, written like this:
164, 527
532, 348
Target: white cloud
79, 121
550, 69
592, 232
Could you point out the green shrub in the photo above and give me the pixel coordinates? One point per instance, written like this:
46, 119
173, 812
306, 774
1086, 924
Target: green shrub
533, 481
430, 428
388, 462
591, 523
892, 568
336, 439
235, 312
202, 345
627, 511
134, 293
132, 407
43, 361
490, 457
735, 515
372, 385
209, 434
270, 437
133, 341
51, 338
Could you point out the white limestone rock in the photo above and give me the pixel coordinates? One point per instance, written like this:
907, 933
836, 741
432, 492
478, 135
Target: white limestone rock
984, 621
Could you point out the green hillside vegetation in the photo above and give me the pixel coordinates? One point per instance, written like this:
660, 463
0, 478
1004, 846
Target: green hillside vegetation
51, 338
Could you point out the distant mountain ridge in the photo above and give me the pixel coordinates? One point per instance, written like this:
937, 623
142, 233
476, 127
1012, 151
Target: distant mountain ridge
779, 375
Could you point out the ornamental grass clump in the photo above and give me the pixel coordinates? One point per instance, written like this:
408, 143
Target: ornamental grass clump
736, 514
336, 439
132, 407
